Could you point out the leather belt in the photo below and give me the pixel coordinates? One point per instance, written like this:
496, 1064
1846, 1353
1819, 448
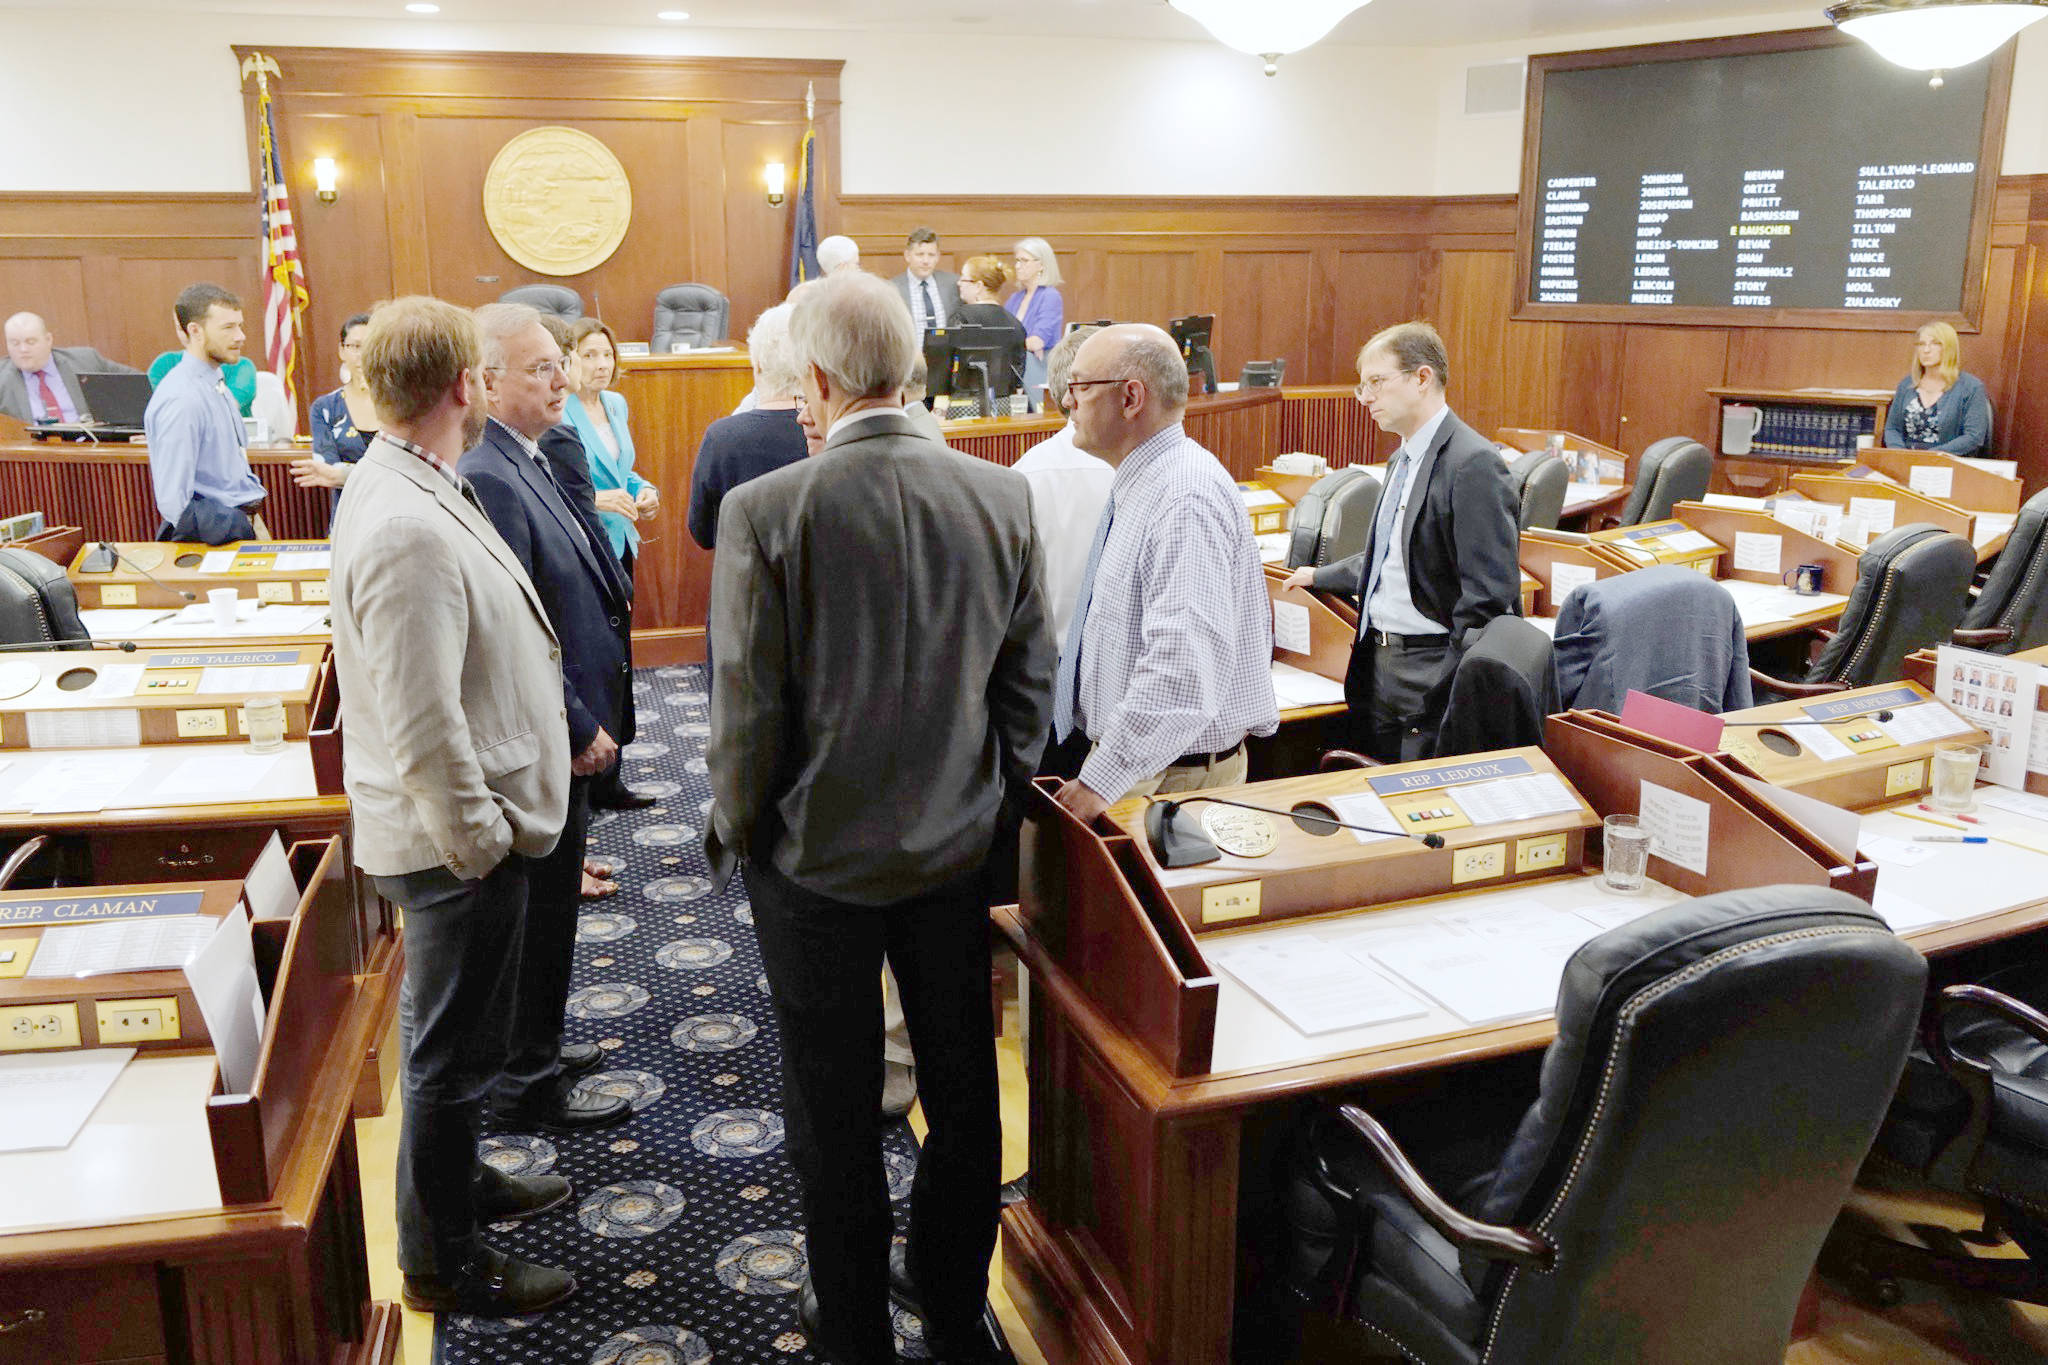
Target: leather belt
1388, 640
1204, 760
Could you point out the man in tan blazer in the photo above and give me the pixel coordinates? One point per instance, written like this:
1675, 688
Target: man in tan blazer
883, 679
457, 758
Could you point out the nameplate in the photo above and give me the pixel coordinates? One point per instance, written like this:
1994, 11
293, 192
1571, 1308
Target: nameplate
74, 911
226, 658
1654, 531
1448, 774
1856, 706
278, 547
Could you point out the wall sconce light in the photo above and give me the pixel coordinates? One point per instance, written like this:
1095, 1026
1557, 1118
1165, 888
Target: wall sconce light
775, 175
324, 173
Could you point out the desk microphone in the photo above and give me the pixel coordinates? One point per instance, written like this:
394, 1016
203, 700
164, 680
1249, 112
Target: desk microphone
1176, 845
119, 558
1878, 716
125, 646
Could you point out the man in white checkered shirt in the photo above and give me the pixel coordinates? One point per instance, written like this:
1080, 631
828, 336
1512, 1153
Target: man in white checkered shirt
1167, 665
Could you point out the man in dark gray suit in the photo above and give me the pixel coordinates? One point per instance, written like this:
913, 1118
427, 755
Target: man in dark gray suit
1441, 560
39, 379
883, 681
932, 295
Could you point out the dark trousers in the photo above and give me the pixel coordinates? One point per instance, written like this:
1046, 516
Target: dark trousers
462, 942
554, 894
824, 960
1407, 700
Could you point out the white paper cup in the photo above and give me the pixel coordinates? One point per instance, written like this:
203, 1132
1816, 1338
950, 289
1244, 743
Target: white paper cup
224, 601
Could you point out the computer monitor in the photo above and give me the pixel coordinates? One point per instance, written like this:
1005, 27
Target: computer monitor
1191, 334
1077, 325
985, 363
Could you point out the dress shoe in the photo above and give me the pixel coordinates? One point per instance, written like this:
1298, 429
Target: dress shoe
501, 1198
621, 798
807, 1312
899, 1089
490, 1284
578, 1059
988, 1346
1015, 1191
567, 1111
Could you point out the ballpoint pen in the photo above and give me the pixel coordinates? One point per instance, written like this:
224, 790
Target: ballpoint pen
1951, 839
1953, 815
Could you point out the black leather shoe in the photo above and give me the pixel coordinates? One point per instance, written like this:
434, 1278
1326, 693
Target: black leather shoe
579, 1059
490, 1285
807, 1313
621, 798
989, 1346
1015, 1191
501, 1197
902, 1290
570, 1111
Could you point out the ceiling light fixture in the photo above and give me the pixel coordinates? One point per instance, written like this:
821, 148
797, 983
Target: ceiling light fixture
1935, 35
421, 7
673, 16
1269, 28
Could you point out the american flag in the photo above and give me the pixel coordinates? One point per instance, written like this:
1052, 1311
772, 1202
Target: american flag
284, 274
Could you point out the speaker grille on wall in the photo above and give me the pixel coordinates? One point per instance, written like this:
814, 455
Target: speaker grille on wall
1495, 88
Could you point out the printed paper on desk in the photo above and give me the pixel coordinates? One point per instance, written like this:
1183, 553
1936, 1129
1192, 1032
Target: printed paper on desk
1313, 988
1481, 981
217, 561
1756, 552
106, 727
1670, 720
82, 782
222, 975
216, 777
1290, 627
1996, 694
271, 890
1688, 541
1834, 827
1876, 514
1678, 826
1294, 687
115, 681
1903, 913
1529, 920
1886, 851
1919, 724
1506, 799
1623, 910
49, 1096
2017, 802
1566, 579
1822, 742
1362, 808
1932, 481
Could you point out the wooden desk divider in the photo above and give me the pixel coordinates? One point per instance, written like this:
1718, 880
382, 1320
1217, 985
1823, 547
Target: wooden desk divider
58, 544
1876, 769
1839, 564
1532, 439
54, 698
1662, 542
1907, 506
1329, 633
1933, 474
1750, 842
323, 730
1288, 486
1309, 873
1079, 899
152, 574
1582, 559
306, 966
1531, 586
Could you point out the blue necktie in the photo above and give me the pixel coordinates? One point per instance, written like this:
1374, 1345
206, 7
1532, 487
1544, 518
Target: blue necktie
1066, 684
1383, 529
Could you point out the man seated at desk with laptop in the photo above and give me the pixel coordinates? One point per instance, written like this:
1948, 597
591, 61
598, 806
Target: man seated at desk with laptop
198, 460
39, 379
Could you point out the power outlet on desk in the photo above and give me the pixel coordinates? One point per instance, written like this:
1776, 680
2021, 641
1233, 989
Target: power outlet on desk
137, 1021
1478, 863
1539, 854
27, 1028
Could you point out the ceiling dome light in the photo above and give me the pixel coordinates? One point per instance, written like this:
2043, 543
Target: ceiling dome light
1270, 28
421, 7
1935, 35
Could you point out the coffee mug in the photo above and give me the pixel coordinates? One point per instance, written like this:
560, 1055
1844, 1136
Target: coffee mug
1806, 579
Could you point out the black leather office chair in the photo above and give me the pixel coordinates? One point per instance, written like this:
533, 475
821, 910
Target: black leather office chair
1333, 518
2015, 596
37, 603
1719, 1069
1502, 689
1912, 583
558, 299
1664, 630
695, 313
1673, 470
1540, 481
1263, 374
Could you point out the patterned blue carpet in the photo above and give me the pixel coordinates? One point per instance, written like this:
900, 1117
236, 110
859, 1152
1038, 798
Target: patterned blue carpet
684, 1233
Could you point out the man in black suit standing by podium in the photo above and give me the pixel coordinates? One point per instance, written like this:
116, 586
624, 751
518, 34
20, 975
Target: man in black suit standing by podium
586, 598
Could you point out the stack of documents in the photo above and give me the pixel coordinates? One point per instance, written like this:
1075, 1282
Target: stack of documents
1761, 604
1296, 687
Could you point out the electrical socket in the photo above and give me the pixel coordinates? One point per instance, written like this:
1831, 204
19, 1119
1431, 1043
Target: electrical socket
1478, 863
28, 1028
1534, 855
137, 1021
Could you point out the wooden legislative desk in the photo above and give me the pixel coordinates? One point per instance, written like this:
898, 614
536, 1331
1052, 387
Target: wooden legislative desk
1241, 428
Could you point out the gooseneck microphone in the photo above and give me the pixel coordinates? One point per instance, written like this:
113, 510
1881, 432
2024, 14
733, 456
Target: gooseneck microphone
125, 646
119, 558
1176, 845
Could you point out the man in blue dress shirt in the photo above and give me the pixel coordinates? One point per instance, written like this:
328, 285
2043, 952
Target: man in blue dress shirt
197, 460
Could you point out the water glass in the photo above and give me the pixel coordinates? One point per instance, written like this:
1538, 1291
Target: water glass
1955, 777
1625, 857
263, 721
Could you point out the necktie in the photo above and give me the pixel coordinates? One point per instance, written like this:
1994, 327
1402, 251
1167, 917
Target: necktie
931, 307
53, 411
1066, 684
1383, 529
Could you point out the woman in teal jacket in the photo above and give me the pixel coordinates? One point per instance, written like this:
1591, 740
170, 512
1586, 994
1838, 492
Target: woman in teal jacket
623, 497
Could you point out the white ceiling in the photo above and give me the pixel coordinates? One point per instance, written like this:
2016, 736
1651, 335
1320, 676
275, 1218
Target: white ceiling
1402, 23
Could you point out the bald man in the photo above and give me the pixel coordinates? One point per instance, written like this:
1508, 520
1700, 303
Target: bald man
39, 379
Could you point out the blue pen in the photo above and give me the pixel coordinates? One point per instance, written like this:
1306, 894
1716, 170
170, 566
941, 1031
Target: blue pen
1950, 839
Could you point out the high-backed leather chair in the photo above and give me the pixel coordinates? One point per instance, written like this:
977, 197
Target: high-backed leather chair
37, 602
558, 299
1263, 374
695, 313
1673, 470
1719, 1069
1664, 630
1333, 518
1540, 481
2015, 596
1912, 584
1503, 687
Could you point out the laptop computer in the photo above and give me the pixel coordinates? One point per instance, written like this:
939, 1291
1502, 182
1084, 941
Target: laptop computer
117, 403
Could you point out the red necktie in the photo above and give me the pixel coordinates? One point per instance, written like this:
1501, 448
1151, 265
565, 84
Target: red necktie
53, 411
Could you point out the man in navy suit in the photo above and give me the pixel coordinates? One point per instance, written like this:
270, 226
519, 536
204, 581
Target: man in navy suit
585, 594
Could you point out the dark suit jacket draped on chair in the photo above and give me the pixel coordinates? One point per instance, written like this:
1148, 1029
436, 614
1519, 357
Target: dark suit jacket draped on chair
1667, 631
579, 583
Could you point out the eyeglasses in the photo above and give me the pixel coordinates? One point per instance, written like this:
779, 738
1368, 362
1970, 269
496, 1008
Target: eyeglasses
543, 371
1370, 385
1073, 384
